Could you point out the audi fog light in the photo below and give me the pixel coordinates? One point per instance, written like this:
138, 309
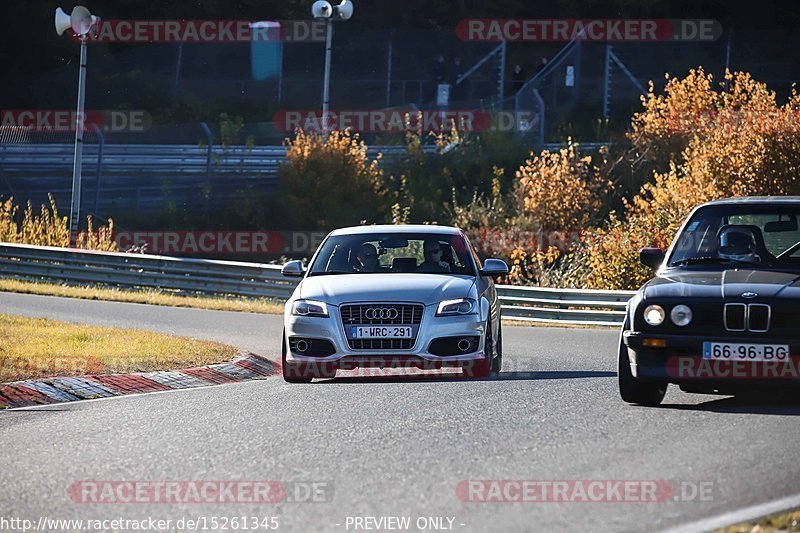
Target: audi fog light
310, 308
681, 315
461, 306
654, 315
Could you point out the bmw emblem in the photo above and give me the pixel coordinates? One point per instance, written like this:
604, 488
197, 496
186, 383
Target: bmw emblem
749, 294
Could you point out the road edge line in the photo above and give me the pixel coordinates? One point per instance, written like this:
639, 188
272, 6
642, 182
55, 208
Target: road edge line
741, 515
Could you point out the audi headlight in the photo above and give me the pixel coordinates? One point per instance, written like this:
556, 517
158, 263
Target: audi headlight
461, 306
310, 308
654, 315
681, 315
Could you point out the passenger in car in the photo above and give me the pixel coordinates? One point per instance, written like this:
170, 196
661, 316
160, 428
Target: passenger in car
433, 263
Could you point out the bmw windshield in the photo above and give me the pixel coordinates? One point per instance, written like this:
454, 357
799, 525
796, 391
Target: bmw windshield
760, 235
374, 253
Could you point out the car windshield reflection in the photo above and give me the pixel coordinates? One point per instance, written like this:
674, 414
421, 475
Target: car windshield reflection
762, 236
395, 253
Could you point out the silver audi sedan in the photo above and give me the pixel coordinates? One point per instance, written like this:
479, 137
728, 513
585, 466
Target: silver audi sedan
393, 296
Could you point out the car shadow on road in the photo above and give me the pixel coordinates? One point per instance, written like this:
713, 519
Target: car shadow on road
455, 377
771, 404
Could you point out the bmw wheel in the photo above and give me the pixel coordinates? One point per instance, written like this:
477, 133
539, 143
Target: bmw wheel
634, 390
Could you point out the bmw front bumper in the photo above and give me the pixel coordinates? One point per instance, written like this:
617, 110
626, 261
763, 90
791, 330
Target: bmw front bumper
679, 359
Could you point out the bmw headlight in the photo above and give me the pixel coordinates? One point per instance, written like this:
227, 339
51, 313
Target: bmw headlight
654, 315
310, 308
460, 306
681, 315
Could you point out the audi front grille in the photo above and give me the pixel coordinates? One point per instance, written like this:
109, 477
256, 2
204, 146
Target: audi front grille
381, 314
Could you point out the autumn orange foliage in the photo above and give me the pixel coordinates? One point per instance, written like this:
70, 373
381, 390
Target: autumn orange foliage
736, 141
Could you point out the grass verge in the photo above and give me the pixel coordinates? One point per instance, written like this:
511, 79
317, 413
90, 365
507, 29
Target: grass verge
39, 347
789, 521
154, 297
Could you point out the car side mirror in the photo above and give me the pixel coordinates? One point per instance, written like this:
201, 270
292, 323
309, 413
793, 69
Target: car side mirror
652, 257
494, 267
293, 269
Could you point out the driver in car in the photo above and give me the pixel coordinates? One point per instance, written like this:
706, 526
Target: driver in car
367, 259
738, 245
432, 250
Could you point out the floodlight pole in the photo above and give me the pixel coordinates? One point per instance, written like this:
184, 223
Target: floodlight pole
326, 84
75, 205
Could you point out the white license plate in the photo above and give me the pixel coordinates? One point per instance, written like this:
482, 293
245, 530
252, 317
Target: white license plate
734, 351
383, 332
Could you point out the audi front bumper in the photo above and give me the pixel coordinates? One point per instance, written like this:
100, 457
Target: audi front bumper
431, 328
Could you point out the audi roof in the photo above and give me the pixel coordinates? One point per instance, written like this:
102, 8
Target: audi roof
398, 228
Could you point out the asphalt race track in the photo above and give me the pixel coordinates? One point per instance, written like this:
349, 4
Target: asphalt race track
379, 447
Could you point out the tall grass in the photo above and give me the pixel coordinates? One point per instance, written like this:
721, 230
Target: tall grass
48, 228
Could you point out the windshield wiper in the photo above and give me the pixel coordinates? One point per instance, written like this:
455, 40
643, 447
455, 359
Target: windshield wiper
709, 259
326, 272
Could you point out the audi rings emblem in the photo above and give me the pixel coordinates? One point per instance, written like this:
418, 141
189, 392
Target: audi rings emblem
384, 313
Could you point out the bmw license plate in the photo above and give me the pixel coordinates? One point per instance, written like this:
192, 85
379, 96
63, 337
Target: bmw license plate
382, 332
735, 351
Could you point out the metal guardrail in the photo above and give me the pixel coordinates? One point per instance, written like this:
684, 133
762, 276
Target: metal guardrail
144, 177
137, 159
256, 280
142, 271
564, 306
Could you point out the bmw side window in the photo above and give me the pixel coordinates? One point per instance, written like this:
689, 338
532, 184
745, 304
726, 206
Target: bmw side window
777, 238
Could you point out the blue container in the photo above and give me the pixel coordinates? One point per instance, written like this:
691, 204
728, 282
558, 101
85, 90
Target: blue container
265, 50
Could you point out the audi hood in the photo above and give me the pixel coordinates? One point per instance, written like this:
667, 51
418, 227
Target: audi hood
336, 289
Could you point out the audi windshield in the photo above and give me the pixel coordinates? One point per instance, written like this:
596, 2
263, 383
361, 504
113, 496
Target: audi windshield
394, 253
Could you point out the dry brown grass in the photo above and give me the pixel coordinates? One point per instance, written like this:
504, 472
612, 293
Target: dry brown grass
39, 347
153, 297
786, 522
49, 228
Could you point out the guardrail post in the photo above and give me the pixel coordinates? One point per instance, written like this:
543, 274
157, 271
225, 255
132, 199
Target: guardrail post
99, 171
209, 146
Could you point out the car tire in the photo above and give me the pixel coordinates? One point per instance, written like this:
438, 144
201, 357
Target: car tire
633, 390
482, 368
497, 362
292, 373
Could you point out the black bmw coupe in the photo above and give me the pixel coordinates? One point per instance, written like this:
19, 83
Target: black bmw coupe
722, 314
